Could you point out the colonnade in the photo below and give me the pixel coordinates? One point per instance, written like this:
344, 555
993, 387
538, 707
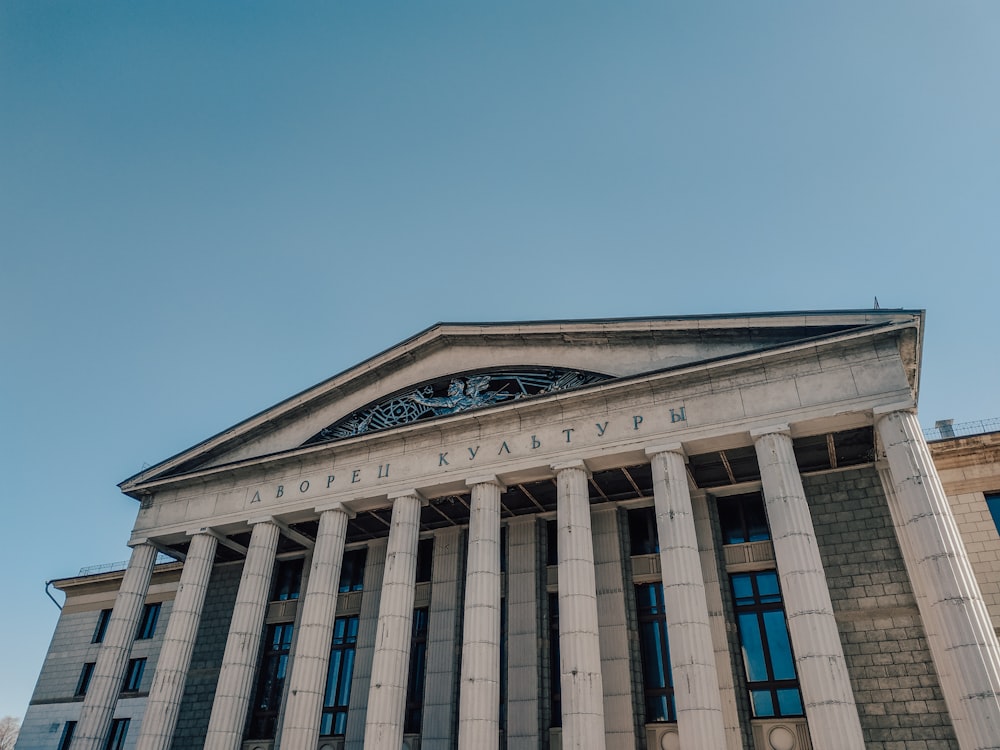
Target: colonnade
964, 647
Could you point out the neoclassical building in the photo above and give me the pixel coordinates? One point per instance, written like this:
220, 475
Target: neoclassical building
718, 532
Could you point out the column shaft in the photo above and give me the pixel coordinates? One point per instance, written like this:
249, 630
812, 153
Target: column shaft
579, 640
523, 592
311, 661
479, 697
964, 647
692, 656
164, 703
387, 691
239, 662
819, 656
106, 683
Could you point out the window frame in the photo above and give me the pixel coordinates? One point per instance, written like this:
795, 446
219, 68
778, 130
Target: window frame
66, 740
272, 675
117, 734
344, 647
413, 716
148, 621
653, 618
133, 675
101, 628
83, 682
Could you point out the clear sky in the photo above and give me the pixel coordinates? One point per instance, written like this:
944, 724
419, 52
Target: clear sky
207, 207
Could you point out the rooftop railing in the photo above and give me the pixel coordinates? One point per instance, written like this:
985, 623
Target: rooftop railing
93, 570
944, 429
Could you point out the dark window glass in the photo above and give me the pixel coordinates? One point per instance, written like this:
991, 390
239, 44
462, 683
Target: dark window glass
270, 682
287, 580
103, 618
767, 650
84, 682
116, 739
352, 571
555, 681
642, 531
418, 670
657, 681
993, 503
551, 543
147, 623
338, 676
425, 556
503, 549
503, 665
133, 675
67, 735
743, 519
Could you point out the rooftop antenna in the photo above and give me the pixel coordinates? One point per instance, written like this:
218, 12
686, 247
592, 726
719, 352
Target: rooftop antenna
876, 304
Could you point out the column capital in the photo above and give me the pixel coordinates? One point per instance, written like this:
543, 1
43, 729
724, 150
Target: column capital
321, 509
904, 406
262, 519
576, 463
666, 448
486, 479
771, 429
137, 540
409, 492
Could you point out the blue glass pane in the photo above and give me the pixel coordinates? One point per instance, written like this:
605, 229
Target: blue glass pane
352, 629
657, 708
753, 648
762, 703
789, 702
344, 689
778, 645
332, 675
655, 662
326, 725
993, 503
340, 724
767, 585
743, 589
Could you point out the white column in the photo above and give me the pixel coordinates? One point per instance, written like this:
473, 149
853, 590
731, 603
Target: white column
109, 672
239, 662
311, 660
387, 690
164, 702
579, 640
479, 693
965, 649
523, 657
819, 656
700, 724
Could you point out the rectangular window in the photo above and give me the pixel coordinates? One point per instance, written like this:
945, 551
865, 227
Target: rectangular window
84, 682
116, 739
425, 559
555, 681
270, 682
993, 503
767, 650
103, 618
551, 543
657, 680
147, 623
133, 675
67, 735
418, 670
338, 676
287, 580
743, 519
642, 534
352, 571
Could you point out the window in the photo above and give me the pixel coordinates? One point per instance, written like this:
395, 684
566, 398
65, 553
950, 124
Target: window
642, 531
147, 624
84, 682
102, 626
287, 580
352, 570
993, 503
67, 735
425, 557
270, 682
555, 681
767, 651
338, 676
551, 543
743, 519
657, 681
116, 740
133, 675
418, 669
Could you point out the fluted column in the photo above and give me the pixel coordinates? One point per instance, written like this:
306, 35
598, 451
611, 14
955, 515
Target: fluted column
692, 655
109, 671
579, 640
479, 697
164, 702
239, 662
307, 681
965, 648
387, 689
819, 656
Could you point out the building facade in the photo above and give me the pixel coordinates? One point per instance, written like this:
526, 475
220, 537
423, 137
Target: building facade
724, 532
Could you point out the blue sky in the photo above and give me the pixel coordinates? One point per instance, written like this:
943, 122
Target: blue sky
207, 207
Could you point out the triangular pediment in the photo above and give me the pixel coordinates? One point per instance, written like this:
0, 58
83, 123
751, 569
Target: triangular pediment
454, 367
